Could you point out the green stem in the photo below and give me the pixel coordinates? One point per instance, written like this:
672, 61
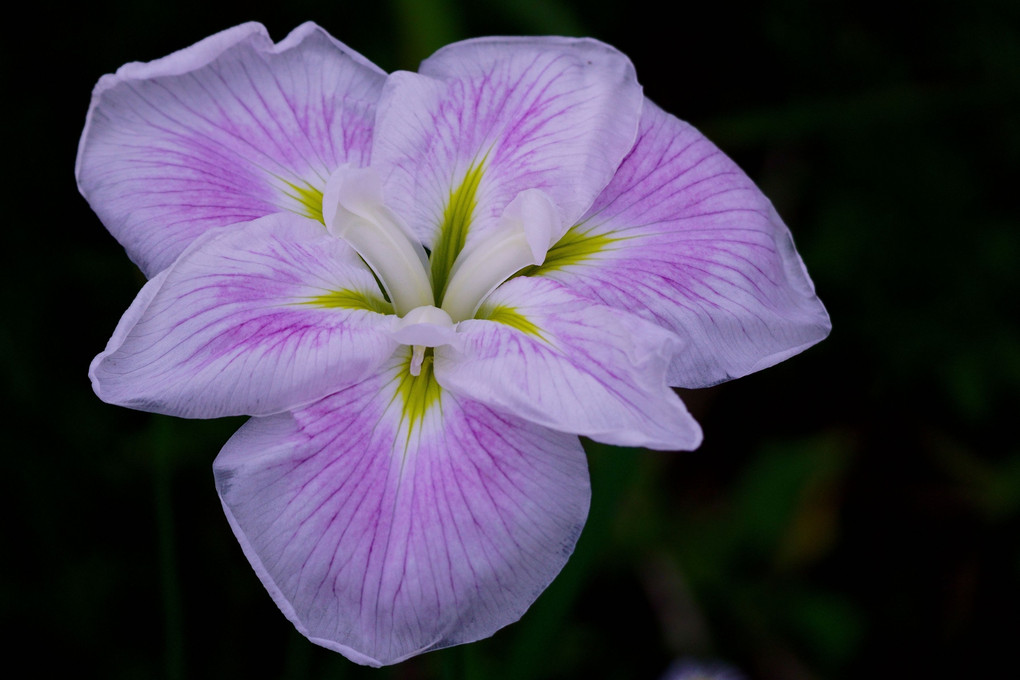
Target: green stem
173, 618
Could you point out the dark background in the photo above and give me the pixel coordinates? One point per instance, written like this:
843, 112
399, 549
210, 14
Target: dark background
853, 512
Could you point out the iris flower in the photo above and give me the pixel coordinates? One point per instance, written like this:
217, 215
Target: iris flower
423, 287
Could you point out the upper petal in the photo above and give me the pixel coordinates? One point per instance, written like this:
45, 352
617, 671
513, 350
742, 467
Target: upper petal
558, 360
381, 537
248, 321
487, 119
683, 237
227, 130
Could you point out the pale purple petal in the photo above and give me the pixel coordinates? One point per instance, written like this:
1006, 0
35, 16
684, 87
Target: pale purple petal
253, 320
695, 246
563, 362
554, 114
381, 543
227, 130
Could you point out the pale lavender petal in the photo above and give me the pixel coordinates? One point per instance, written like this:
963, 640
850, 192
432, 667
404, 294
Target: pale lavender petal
227, 130
491, 117
683, 237
381, 542
253, 320
688, 669
558, 360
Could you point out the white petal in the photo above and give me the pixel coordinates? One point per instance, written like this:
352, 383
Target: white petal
227, 130
559, 360
523, 236
683, 237
354, 210
253, 320
382, 539
490, 118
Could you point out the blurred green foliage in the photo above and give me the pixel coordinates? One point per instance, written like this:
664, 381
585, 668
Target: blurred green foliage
853, 512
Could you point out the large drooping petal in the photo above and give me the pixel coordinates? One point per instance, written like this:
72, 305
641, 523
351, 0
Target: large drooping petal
227, 130
250, 320
389, 519
488, 118
558, 360
683, 237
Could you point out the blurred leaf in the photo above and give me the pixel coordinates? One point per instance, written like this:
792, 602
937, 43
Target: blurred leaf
829, 625
612, 469
163, 446
425, 26
787, 499
993, 486
541, 16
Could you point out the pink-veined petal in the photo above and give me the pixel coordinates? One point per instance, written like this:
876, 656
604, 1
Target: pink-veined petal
683, 237
488, 118
382, 542
249, 320
556, 359
228, 130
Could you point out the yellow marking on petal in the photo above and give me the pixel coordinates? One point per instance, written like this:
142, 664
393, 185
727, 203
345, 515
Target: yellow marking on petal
575, 247
453, 231
510, 317
350, 299
417, 393
310, 199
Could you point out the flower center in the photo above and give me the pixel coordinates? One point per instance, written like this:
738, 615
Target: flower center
425, 326
354, 210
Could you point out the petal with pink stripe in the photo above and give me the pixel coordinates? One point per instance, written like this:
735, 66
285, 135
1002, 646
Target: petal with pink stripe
385, 525
684, 238
489, 118
228, 130
248, 321
554, 358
